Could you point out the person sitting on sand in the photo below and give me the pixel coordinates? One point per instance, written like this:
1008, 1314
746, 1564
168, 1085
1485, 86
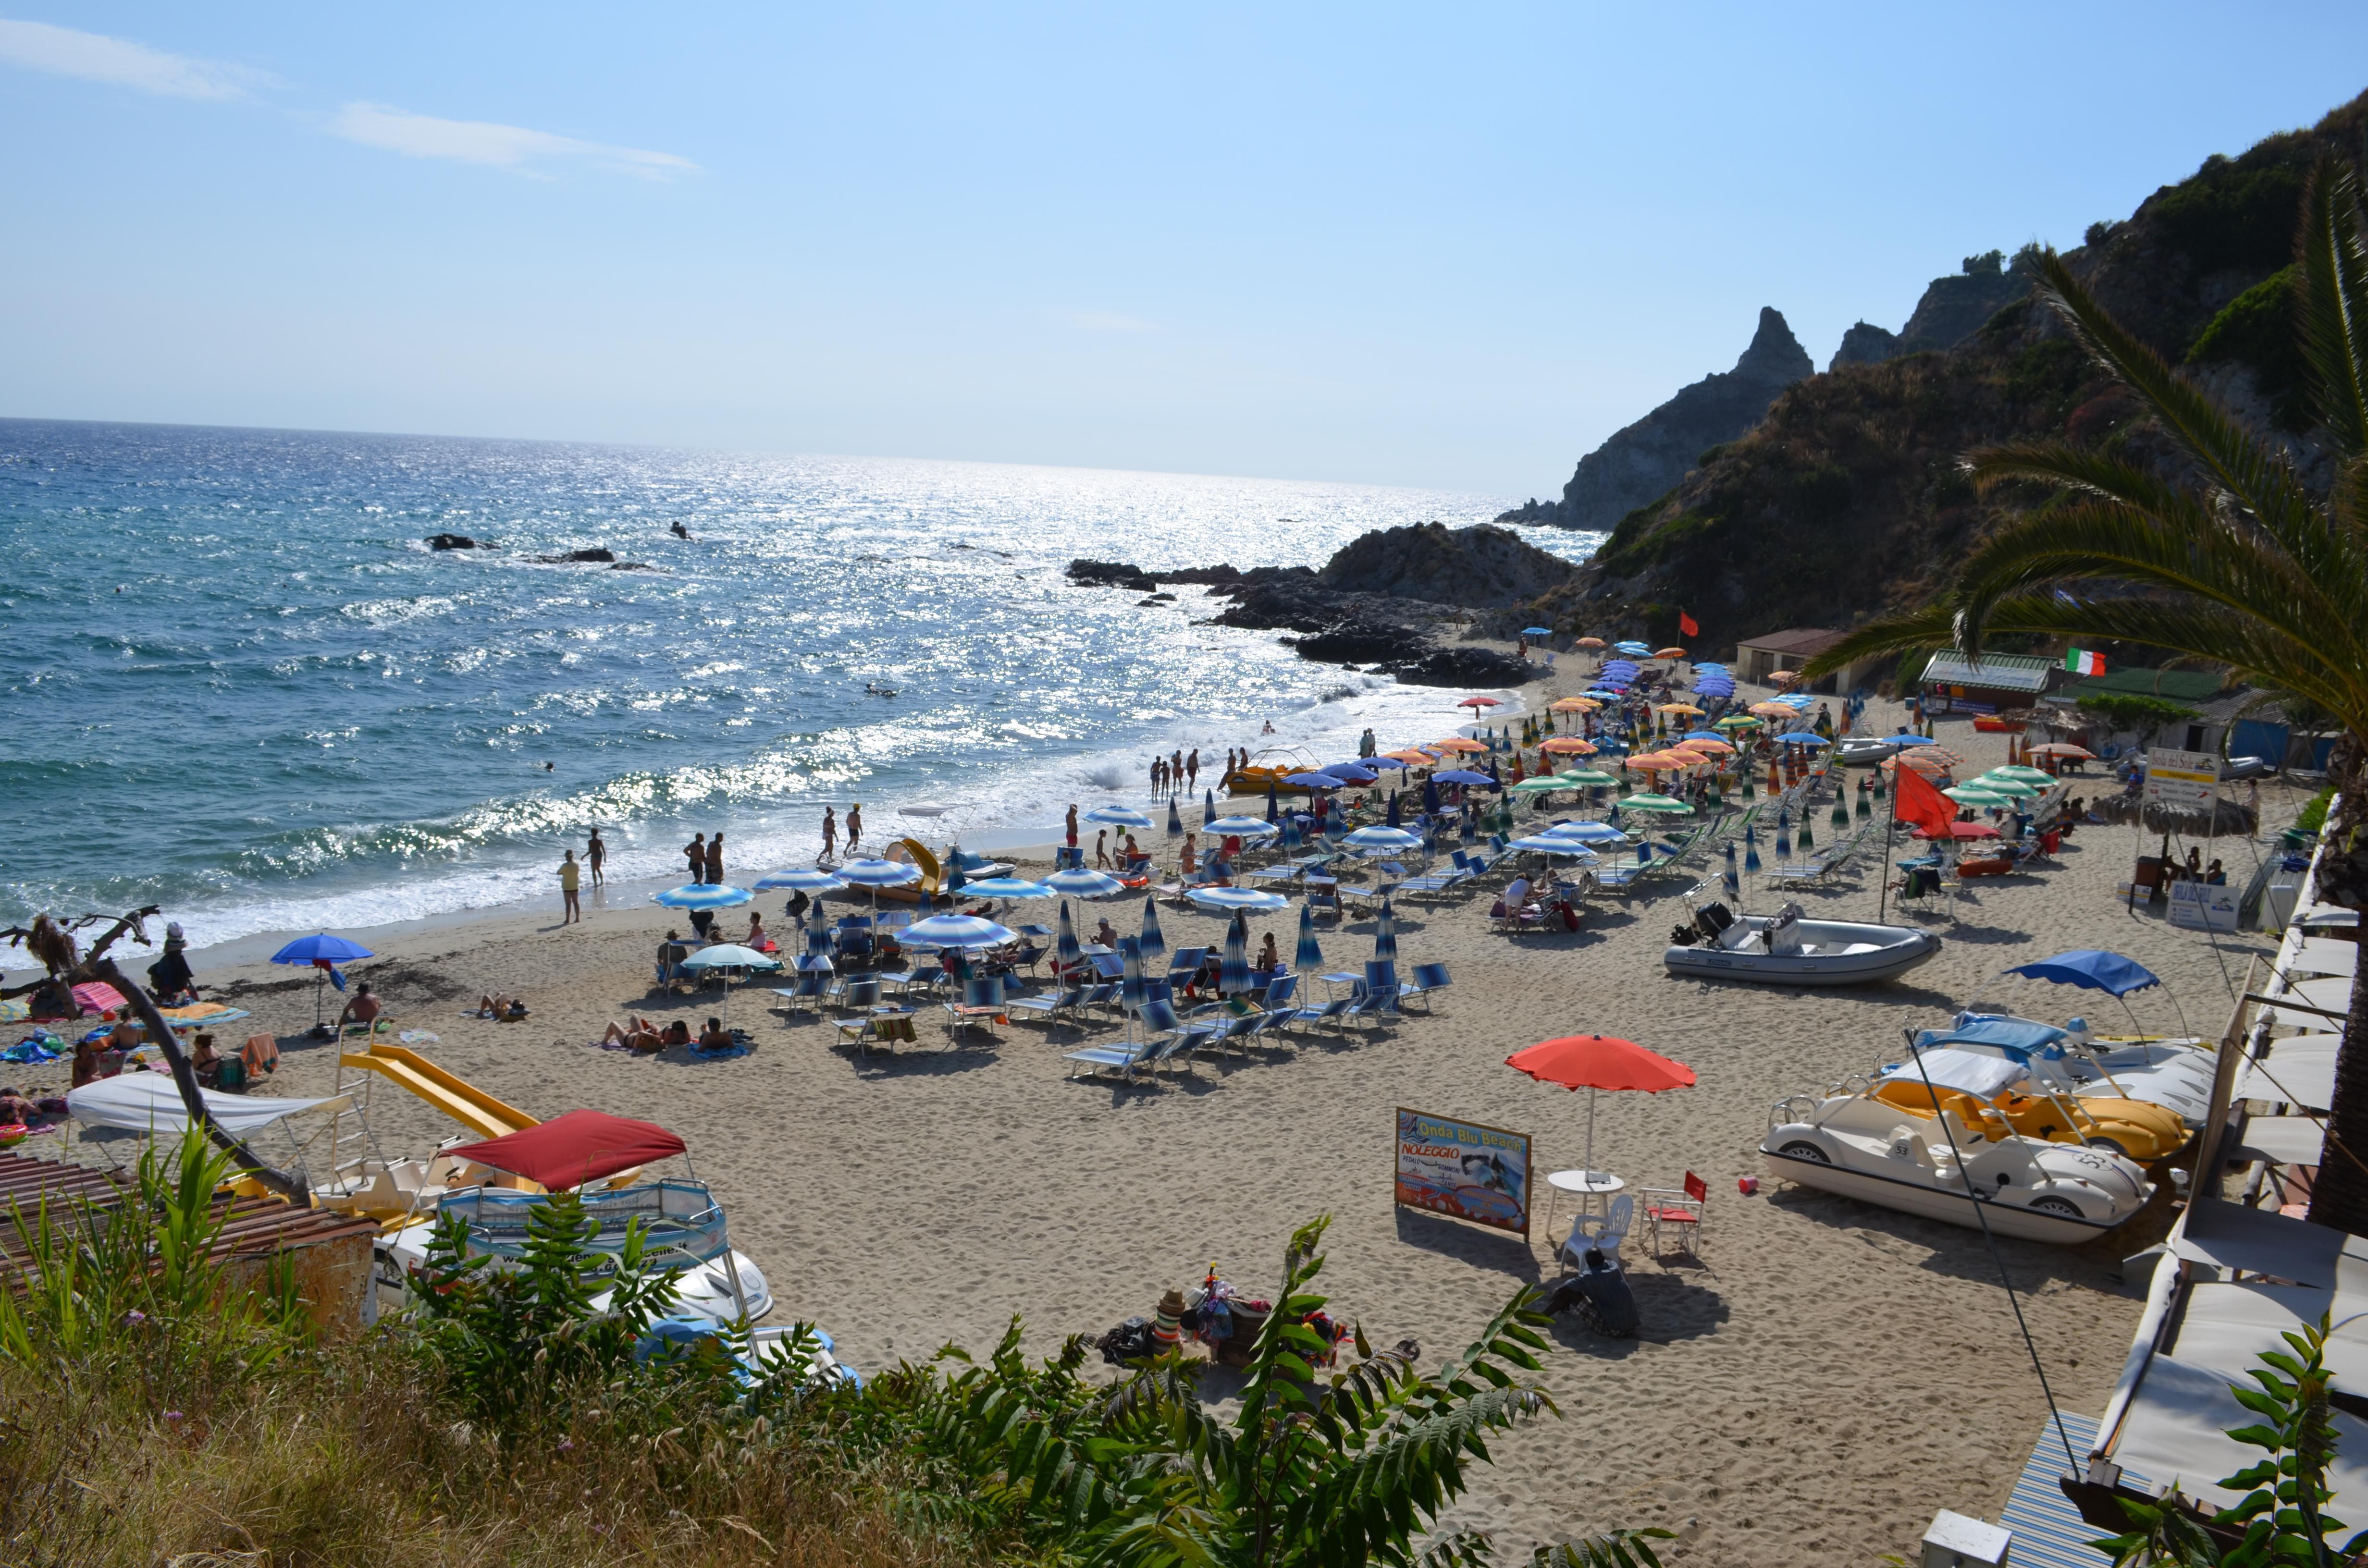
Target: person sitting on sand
715, 1037
362, 1009
501, 1009
1190, 861
1104, 936
636, 1033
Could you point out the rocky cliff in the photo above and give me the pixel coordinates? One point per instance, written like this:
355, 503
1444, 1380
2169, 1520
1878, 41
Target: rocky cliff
1849, 499
1647, 458
1396, 600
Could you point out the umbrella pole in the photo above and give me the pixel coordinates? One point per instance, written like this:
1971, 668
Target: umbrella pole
1890, 831
1590, 1128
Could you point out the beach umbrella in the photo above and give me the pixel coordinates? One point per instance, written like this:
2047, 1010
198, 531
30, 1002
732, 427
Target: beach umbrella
1808, 834
1208, 807
1596, 1062
1975, 795
1007, 887
1120, 816
1352, 773
1391, 819
1543, 785
700, 896
2035, 775
963, 931
1686, 709
1291, 836
1803, 738
1751, 853
1309, 958
1552, 843
730, 956
1961, 830
875, 874
1272, 808
1537, 631
1385, 934
1313, 781
1567, 745
1151, 940
800, 881
1668, 653
1243, 828
1461, 776
1431, 795
1588, 642
324, 952
1629, 645
1066, 951
1478, 702
1736, 721
1387, 759
1234, 968
1783, 834
1586, 832
1588, 778
1236, 898
1573, 705
1175, 818
1085, 884
1839, 816
1997, 779
2063, 749
817, 932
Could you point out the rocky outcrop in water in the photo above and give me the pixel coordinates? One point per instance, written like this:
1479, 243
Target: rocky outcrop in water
454, 541
1647, 458
1396, 600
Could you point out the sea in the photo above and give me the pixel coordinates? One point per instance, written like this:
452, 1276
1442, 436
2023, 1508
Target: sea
243, 687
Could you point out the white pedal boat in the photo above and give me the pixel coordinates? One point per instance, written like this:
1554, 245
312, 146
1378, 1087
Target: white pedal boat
1789, 949
2173, 1073
1855, 1145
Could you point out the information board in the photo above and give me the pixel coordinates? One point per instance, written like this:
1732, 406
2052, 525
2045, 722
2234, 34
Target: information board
2181, 780
2203, 906
1464, 1170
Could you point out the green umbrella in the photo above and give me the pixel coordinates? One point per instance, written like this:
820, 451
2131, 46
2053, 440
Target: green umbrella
1973, 795
1651, 802
1998, 785
1736, 721
1539, 786
2028, 775
1588, 778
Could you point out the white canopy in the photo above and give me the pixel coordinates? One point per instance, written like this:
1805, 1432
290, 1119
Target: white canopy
148, 1102
1976, 1073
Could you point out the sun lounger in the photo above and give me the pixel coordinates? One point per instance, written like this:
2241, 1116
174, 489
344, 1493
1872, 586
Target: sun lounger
1125, 1058
1051, 1008
884, 1030
1307, 1020
1428, 980
1176, 1037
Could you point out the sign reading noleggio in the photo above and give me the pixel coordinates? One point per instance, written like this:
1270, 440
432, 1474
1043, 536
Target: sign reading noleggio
1464, 1170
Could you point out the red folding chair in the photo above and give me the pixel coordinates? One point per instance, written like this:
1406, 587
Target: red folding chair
1680, 1210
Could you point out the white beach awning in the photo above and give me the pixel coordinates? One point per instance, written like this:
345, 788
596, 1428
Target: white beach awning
2323, 955
2298, 1070
1976, 1073
2227, 1326
2288, 1140
2230, 1235
2323, 996
2177, 1427
149, 1102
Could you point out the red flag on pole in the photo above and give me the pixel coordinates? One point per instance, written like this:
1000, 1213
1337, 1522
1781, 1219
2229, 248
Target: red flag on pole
1915, 798
1687, 626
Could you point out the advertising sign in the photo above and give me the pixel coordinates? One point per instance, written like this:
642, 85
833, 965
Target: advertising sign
2181, 780
1465, 1170
2203, 906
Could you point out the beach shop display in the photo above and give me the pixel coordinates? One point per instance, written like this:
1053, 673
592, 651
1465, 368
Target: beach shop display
1464, 1170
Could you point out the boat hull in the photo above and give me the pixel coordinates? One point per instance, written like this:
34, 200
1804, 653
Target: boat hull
1930, 1202
1893, 951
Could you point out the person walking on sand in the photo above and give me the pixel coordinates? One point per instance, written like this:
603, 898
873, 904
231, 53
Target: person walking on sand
715, 859
1193, 770
596, 855
570, 876
854, 826
1101, 850
829, 833
696, 852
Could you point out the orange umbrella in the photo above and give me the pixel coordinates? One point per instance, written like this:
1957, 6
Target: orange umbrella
1921, 760
1668, 653
2059, 748
1458, 742
1593, 1061
1589, 642
1574, 705
1715, 748
1570, 744
1680, 708
1783, 677
1413, 757
1772, 711
1480, 703
1662, 762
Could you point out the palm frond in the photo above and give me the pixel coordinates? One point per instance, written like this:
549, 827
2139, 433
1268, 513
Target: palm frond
1929, 630
2334, 330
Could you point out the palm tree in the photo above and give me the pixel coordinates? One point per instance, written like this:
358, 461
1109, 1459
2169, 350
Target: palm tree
2234, 560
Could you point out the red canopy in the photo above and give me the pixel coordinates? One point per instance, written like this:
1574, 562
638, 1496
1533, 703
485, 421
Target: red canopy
1961, 830
568, 1151
1600, 1062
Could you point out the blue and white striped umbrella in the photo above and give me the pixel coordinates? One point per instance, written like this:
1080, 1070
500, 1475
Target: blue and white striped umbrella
817, 932
1175, 817
1584, 832
963, 931
1130, 976
1119, 816
1380, 840
1553, 844
1783, 834
1750, 852
1243, 828
1731, 884
1234, 970
1007, 887
878, 873
799, 882
1085, 884
1236, 898
1151, 942
703, 895
1065, 950
1292, 836
1385, 933
1309, 959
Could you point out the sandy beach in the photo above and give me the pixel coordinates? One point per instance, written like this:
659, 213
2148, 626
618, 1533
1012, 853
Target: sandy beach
1810, 1389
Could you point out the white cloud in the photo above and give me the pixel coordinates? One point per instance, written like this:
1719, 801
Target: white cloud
1109, 321
499, 146
94, 57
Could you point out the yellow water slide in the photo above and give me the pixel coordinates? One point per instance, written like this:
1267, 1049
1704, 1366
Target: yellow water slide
456, 1097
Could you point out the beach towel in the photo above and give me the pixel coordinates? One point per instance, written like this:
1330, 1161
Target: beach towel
420, 1036
35, 1048
99, 997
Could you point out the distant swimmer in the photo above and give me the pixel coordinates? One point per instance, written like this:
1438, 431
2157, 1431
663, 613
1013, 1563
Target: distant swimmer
876, 690
680, 531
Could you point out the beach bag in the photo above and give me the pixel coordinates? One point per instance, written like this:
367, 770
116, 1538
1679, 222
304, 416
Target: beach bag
230, 1076
1130, 1341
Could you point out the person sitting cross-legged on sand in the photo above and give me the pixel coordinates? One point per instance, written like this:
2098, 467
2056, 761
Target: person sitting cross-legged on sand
715, 1037
639, 1033
363, 1010
502, 1010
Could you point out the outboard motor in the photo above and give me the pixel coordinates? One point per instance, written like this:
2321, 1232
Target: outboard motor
1713, 920
1598, 1292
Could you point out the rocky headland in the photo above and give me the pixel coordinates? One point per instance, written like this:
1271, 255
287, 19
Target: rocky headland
1397, 601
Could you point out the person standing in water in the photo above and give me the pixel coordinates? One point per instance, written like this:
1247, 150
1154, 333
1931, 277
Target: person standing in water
854, 826
570, 879
596, 855
1101, 850
1072, 829
1193, 770
829, 832
696, 852
715, 859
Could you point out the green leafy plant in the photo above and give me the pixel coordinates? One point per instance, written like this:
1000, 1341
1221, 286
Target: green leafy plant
2281, 1521
2137, 710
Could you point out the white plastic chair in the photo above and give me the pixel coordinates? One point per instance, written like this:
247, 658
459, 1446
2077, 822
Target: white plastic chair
1603, 1232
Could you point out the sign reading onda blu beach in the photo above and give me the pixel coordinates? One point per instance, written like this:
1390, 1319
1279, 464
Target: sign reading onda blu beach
1464, 1170
2181, 780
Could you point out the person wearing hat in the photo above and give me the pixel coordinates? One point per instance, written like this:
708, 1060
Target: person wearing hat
169, 978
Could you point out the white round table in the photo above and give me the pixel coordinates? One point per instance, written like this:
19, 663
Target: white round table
1586, 1186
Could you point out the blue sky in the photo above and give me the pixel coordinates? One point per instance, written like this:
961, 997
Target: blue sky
1429, 245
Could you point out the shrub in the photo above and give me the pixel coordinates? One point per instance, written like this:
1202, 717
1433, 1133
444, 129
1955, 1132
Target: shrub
2255, 330
2314, 814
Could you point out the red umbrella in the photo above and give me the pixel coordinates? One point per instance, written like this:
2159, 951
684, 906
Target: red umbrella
1593, 1061
1961, 830
1479, 703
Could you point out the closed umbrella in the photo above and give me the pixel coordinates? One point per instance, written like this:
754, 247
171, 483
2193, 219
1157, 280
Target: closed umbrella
1130, 978
1392, 818
1208, 807
1597, 1062
1151, 942
1750, 851
1729, 879
1175, 818
1783, 834
1309, 958
1234, 968
1066, 953
817, 932
1385, 933
1431, 795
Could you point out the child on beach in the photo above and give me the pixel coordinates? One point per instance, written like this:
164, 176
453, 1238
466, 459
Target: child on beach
1101, 850
570, 876
596, 855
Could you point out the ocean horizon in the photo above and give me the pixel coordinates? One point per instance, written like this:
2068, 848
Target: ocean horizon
246, 689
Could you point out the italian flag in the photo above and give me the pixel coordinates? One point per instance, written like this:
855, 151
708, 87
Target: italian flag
2081, 662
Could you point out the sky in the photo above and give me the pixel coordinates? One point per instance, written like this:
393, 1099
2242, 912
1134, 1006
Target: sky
1429, 245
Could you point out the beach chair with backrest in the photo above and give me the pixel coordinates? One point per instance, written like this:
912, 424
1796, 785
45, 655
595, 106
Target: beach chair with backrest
1183, 964
882, 1029
1052, 1007
1125, 1058
1604, 1231
1175, 1039
1429, 979
1680, 1210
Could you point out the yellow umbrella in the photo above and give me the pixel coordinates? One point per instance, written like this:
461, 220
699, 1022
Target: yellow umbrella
1680, 708
1570, 744
1772, 711
1574, 705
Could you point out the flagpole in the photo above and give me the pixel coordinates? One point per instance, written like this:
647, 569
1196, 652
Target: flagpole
1890, 831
